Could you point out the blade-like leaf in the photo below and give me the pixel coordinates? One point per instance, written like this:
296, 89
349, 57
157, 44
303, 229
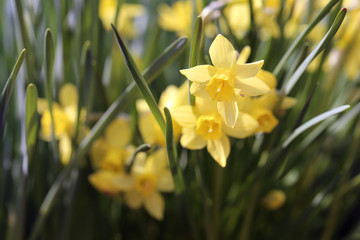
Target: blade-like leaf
140, 81
195, 50
288, 86
312, 122
6, 92
172, 155
302, 36
31, 123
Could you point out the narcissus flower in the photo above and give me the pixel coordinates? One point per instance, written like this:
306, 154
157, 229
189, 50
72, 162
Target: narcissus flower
203, 126
65, 119
261, 108
127, 13
176, 18
226, 80
274, 200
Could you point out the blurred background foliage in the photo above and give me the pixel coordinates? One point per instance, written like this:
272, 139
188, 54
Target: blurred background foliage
308, 189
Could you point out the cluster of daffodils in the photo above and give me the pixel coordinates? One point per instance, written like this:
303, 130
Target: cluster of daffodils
120, 173
233, 98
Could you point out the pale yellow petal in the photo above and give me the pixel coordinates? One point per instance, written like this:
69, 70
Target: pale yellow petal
65, 149
201, 73
222, 53
252, 86
245, 126
268, 78
165, 182
219, 150
229, 112
191, 140
167, 98
244, 55
133, 199
150, 130
110, 182
288, 102
118, 133
68, 95
157, 162
155, 205
42, 105
247, 70
184, 116
199, 90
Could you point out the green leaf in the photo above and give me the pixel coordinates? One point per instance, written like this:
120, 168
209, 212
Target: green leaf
302, 36
312, 122
195, 50
140, 81
172, 155
31, 123
6, 92
49, 67
288, 86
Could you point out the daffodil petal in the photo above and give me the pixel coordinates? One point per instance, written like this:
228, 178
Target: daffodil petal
244, 55
165, 182
65, 149
133, 199
199, 90
288, 102
201, 73
219, 150
155, 205
110, 182
222, 53
247, 70
245, 126
229, 112
252, 86
184, 116
191, 140
68, 95
268, 78
118, 133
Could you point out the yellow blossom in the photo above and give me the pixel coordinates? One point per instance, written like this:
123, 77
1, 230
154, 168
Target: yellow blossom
65, 119
203, 126
261, 108
127, 13
171, 97
226, 80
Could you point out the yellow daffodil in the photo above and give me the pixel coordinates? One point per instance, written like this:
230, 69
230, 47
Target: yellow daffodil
65, 118
261, 108
176, 18
171, 97
151, 177
127, 13
203, 126
110, 152
226, 80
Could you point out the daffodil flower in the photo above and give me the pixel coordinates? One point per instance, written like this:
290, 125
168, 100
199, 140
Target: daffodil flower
127, 13
176, 18
151, 177
203, 126
226, 80
65, 118
261, 108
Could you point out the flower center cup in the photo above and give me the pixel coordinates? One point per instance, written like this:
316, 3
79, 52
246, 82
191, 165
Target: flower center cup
209, 127
221, 87
145, 184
